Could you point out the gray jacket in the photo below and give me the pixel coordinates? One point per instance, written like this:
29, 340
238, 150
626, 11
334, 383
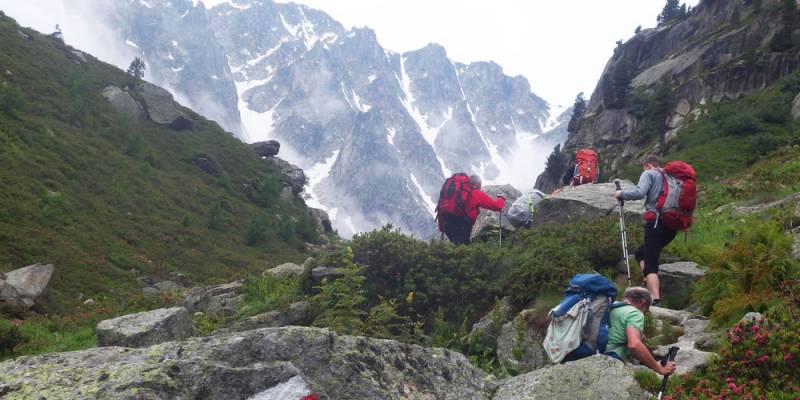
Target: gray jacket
649, 188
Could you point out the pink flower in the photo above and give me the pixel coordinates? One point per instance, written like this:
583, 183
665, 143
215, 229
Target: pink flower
754, 328
16, 322
787, 357
763, 359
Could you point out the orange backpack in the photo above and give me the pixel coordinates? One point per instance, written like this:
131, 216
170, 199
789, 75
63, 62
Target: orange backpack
586, 169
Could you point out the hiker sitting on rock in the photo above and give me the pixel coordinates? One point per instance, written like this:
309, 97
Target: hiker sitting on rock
656, 235
627, 324
459, 204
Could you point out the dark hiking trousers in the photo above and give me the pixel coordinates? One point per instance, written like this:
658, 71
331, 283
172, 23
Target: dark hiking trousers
457, 228
656, 237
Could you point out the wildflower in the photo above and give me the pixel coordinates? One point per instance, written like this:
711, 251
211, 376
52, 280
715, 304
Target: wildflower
16, 322
787, 357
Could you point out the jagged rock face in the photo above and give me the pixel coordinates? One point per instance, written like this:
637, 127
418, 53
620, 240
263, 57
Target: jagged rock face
382, 129
241, 365
595, 377
222, 299
678, 280
519, 346
292, 174
575, 203
706, 58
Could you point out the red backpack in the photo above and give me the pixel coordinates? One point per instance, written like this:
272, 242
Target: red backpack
678, 198
586, 169
454, 196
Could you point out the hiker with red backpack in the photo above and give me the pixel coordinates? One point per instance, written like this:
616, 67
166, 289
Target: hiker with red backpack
459, 203
670, 195
586, 169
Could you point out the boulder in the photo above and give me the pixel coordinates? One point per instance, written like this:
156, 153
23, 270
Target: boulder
325, 272
248, 364
678, 280
487, 329
285, 269
21, 287
161, 108
268, 148
591, 201
595, 377
292, 174
688, 358
146, 328
792, 200
322, 219
206, 164
519, 346
168, 287
215, 300
296, 314
752, 318
674, 317
696, 330
122, 102
488, 219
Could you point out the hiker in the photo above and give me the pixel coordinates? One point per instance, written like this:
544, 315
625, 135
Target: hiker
656, 235
460, 201
523, 210
586, 169
625, 334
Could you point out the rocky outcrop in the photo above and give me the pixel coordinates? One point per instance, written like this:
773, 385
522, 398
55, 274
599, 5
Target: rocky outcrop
207, 164
519, 346
322, 272
678, 280
688, 358
788, 201
146, 328
487, 329
713, 55
491, 219
285, 270
221, 300
796, 108
293, 175
596, 377
296, 314
247, 364
267, 148
122, 102
698, 331
161, 107
322, 219
583, 202
21, 287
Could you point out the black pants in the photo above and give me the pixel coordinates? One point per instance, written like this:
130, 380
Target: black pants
457, 228
656, 237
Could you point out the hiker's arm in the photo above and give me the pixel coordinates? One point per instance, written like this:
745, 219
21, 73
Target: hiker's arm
640, 192
640, 351
485, 201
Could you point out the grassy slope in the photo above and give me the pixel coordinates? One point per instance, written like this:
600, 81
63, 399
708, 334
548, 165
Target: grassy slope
99, 196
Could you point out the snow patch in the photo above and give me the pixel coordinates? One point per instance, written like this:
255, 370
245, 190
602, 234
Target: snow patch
552, 118
371, 78
185, 13
269, 52
316, 174
363, 107
131, 43
145, 3
170, 56
258, 125
429, 205
174, 43
391, 132
179, 69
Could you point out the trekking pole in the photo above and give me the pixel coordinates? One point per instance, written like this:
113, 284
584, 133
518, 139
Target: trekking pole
501, 228
673, 351
623, 234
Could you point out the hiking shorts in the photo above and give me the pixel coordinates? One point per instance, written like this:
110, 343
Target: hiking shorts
457, 228
656, 237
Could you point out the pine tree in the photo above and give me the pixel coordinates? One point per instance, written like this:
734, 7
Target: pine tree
578, 109
671, 11
341, 304
137, 67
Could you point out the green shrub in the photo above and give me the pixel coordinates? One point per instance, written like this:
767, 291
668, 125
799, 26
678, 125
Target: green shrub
11, 98
10, 337
267, 293
383, 321
265, 192
747, 274
258, 229
341, 305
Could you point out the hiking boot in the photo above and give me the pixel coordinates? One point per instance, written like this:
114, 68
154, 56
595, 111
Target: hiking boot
656, 303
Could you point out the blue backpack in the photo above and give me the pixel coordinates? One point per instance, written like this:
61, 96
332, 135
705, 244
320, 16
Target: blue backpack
593, 294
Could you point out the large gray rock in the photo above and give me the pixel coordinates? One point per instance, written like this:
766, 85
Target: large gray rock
122, 102
242, 365
322, 219
161, 108
267, 148
491, 219
292, 174
146, 328
591, 201
519, 346
597, 377
318, 274
284, 270
487, 329
688, 358
222, 299
23, 286
678, 280
675, 317
698, 331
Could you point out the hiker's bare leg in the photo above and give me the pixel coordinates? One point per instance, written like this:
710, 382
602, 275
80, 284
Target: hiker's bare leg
653, 286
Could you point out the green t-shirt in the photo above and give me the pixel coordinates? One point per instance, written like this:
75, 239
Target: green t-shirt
621, 318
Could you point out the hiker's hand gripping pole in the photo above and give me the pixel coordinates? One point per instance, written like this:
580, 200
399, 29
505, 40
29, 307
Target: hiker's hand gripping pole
623, 234
670, 357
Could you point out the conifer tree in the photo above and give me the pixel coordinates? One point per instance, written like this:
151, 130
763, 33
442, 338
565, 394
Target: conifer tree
137, 67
